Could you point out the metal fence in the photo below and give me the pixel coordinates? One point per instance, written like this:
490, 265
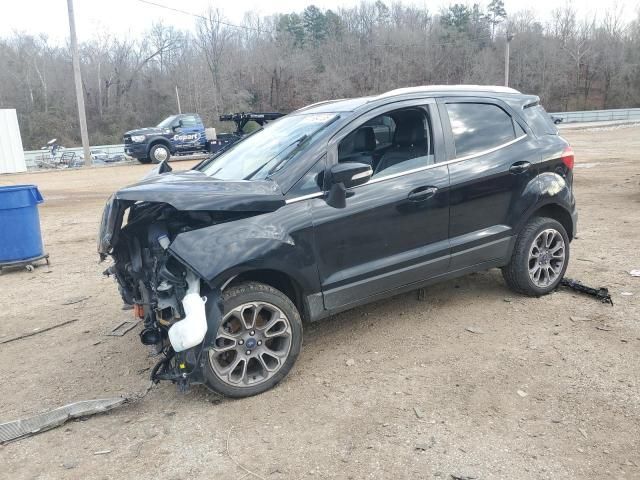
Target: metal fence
35, 158
631, 114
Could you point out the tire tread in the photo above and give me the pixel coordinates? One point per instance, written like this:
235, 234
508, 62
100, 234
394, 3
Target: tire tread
514, 275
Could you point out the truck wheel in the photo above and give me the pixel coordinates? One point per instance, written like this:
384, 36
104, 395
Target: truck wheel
144, 160
159, 153
258, 341
540, 258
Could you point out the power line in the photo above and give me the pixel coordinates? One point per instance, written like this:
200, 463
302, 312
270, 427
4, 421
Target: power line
245, 27
184, 12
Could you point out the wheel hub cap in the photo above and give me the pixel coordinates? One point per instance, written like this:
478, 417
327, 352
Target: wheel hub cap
160, 154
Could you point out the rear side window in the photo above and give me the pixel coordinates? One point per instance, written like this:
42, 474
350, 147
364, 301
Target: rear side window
189, 121
539, 120
479, 126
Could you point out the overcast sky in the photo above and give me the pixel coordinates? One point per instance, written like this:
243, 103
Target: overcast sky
123, 17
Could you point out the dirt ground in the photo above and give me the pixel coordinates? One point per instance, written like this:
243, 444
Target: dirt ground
545, 388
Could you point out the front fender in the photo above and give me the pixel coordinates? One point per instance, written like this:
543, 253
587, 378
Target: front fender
280, 240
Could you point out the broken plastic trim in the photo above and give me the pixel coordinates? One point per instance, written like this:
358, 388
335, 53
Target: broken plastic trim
45, 421
169, 368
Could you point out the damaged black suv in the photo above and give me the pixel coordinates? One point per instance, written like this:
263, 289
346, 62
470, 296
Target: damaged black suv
335, 205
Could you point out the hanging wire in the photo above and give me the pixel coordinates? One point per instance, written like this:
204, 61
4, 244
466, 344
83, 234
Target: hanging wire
195, 15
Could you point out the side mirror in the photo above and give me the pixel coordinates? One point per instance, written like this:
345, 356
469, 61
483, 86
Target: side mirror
343, 176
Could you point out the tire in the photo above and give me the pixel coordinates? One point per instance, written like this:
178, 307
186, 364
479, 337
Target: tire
262, 306
521, 270
144, 160
159, 152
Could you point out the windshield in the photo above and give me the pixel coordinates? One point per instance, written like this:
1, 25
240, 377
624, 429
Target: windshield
268, 149
167, 122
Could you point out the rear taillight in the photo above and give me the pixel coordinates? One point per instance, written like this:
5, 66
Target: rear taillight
567, 157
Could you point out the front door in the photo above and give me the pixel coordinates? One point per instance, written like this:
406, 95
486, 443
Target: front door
394, 229
189, 135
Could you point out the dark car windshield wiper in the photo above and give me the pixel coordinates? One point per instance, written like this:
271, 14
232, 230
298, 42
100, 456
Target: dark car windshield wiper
298, 143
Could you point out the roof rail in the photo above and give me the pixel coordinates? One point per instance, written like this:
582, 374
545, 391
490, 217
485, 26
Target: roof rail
448, 88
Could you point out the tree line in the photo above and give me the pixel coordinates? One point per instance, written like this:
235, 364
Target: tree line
285, 61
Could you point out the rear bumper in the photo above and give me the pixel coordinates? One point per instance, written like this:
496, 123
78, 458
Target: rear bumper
574, 222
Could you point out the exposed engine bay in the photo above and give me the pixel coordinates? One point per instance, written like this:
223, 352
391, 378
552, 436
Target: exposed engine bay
165, 294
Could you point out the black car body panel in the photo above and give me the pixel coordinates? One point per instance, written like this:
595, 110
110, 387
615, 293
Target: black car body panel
192, 190
451, 214
280, 241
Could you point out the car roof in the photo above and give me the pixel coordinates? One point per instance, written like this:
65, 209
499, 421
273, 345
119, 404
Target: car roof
511, 95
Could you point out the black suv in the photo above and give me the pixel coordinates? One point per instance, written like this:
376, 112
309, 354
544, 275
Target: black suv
335, 205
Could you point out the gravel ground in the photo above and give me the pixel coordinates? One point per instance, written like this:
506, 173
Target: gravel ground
539, 388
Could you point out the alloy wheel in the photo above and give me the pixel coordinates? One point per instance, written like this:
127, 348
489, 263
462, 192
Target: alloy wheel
546, 258
252, 344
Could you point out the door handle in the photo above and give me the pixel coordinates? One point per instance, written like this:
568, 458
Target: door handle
422, 193
519, 167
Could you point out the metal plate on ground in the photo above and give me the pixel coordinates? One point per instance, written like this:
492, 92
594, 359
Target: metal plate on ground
44, 421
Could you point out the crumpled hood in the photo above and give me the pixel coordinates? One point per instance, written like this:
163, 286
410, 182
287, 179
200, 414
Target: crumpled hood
193, 190
148, 131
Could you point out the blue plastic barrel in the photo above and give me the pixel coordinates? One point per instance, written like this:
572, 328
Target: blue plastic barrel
20, 237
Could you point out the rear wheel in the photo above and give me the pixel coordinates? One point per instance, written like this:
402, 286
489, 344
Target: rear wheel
257, 342
159, 153
540, 257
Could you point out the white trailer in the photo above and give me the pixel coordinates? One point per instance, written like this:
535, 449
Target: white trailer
11, 152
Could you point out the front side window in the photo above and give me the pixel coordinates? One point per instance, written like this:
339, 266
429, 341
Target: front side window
269, 149
168, 122
391, 143
477, 127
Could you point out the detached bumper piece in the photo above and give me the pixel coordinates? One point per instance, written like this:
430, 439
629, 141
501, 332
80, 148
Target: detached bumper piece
45, 421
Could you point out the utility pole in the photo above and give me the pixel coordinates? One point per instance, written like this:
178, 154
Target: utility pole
78, 80
178, 99
506, 59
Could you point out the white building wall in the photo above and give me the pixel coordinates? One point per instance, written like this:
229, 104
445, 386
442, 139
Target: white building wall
11, 153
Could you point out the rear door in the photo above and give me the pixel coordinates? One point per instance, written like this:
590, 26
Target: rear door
393, 230
492, 159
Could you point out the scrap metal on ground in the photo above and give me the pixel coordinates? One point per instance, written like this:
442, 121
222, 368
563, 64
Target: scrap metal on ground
601, 293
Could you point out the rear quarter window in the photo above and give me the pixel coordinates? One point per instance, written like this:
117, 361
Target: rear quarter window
539, 120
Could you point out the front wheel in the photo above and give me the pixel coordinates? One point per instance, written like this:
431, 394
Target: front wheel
257, 343
540, 258
159, 153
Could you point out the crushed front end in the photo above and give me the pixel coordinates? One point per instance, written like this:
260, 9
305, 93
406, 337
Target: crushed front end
165, 294
180, 307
